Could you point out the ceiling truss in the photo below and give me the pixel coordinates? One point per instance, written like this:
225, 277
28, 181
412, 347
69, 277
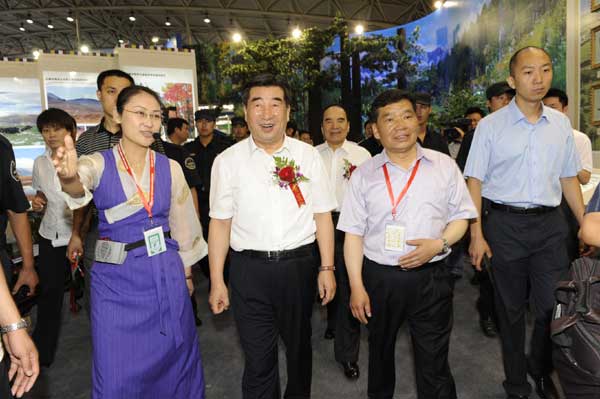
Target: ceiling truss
102, 23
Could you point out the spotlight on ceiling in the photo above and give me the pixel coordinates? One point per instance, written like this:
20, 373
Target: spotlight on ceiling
121, 41
36, 54
438, 4
236, 37
50, 26
22, 28
70, 17
132, 17
29, 20
206, 19
155, 39
359, 29
296, 33
84, 49
167, 22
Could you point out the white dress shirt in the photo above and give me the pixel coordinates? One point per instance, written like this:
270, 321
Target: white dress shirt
265, 216
583, 145
336, 167
58, 218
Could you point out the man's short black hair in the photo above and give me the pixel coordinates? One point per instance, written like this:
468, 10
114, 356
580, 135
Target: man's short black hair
338, 105
175, 123
113, 72
266, 80
390, 97
291, 125
54, 117
475, 110
562, 96
515, 57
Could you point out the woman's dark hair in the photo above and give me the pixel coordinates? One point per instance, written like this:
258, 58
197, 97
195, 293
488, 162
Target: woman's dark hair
128, 92
54, 117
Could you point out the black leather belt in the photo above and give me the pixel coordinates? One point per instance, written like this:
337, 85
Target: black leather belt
141, 243
538, 210
275, 256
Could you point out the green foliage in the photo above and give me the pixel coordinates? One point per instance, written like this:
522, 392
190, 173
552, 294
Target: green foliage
296, 60
455, 103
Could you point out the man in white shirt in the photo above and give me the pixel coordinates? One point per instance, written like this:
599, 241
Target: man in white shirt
558, 99
269, 200
341, 158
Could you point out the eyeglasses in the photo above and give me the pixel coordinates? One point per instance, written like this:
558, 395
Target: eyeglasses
153, 117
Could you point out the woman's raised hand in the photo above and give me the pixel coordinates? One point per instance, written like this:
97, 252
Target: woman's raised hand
65, 160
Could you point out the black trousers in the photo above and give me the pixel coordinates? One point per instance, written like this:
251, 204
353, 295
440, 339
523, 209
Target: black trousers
4, 382
485, 302
52, 268
423, 297
339, 315
272, 299
529, 255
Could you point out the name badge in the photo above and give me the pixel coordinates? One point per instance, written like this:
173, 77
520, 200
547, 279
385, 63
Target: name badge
155, 241
394, 237
110, 252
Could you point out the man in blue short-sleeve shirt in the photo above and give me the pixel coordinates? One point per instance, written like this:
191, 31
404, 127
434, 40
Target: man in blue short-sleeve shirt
522, 161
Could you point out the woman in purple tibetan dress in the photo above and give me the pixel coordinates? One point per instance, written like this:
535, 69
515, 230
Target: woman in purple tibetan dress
145, 343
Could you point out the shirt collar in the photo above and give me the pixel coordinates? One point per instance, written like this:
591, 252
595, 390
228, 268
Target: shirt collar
252, 147
326, 147
516, 115
382, 158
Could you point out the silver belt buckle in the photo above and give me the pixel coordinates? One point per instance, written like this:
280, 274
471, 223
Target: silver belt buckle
110, 252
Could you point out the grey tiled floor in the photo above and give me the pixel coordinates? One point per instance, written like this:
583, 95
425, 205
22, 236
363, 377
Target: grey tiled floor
475, 359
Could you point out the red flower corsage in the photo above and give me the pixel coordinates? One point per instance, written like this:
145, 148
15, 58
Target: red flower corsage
287, 174
348, 169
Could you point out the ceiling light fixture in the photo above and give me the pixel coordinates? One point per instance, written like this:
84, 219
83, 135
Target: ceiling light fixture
50, 26
121, 41
132, 17
359, 29
70, 17
206, 19
155, 39
438, 4
167, 22
29, 20
84, 49
236, 37
22, 28
36, 54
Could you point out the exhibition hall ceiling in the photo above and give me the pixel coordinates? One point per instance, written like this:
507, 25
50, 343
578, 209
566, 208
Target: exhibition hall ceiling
27, 25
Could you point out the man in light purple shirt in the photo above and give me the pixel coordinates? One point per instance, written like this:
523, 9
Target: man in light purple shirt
402, 276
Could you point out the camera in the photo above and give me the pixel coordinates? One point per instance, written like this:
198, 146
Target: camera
450, 129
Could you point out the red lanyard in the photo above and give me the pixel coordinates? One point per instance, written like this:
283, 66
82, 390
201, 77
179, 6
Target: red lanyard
404, 190
147, 204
